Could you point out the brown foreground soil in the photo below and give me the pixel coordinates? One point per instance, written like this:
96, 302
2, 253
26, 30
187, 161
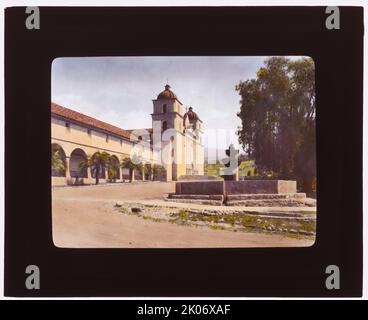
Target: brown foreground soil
85, 217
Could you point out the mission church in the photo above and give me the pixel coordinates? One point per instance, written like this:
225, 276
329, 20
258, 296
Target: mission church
174, 141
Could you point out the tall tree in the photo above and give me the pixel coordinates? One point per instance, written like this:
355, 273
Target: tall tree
278, 119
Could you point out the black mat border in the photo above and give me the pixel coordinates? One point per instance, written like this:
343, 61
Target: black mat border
73, 31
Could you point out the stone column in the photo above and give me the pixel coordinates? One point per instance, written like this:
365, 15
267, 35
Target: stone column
89, 173
67, 168
143, 177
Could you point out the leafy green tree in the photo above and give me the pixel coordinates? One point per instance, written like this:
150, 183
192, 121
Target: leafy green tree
97, 162
278, 119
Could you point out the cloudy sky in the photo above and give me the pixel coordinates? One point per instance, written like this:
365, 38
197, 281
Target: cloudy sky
119, 90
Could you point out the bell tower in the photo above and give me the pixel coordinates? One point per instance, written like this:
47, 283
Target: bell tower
194, 149
167, 112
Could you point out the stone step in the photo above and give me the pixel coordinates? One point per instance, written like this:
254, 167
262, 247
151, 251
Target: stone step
196, 201
260, 196
198, 178
307, 202
219, 197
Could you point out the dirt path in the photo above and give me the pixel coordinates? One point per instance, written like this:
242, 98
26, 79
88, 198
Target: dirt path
84, 217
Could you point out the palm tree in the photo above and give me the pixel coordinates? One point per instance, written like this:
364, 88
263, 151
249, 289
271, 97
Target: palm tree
57, 163
132, 163
159, 172
148, 170
112, 169
97, 162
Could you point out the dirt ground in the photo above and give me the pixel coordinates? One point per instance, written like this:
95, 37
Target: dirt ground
84, 217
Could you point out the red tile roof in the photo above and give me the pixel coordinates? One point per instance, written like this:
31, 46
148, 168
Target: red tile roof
79, 117
149, 130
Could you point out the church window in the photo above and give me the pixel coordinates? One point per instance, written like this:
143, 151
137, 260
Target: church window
107, 138
67, 125
89, 132
164, 108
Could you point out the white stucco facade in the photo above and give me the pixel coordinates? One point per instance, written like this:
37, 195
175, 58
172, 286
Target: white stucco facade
174, 141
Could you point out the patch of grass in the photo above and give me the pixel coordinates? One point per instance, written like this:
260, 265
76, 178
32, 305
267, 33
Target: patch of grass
213, 169
123, 210
181, 217
307, 225
248, 220
293, 235
237, 221
211, 219
230, 219
183, 214
215, 227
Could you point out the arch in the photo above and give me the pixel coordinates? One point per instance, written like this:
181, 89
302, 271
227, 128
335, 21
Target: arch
102, 170
58, 161
164, 125
115, 166
125, 174
138, 174
76, 158
249, 173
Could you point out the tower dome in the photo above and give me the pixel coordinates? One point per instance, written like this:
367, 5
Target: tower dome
191, 115
167, 94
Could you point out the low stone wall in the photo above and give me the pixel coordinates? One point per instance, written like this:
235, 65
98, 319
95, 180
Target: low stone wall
272, 196
286, 186
58, 181
211, 187
260, 187
206, 187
